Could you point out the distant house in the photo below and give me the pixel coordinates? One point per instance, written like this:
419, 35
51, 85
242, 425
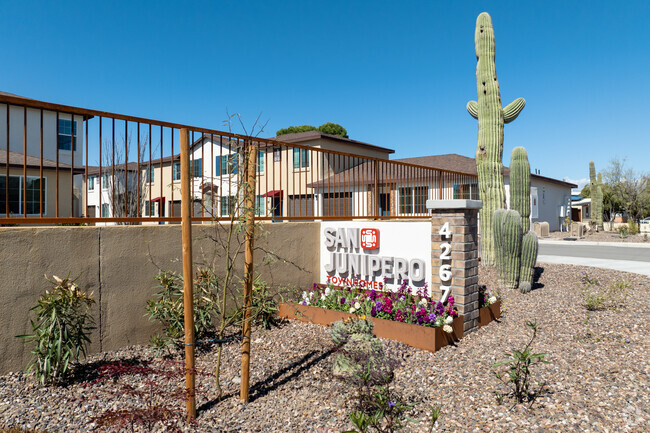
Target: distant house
550, 198
581, 209
59, 144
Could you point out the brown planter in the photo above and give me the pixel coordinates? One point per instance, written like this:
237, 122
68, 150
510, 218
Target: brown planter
421, 337
489, 313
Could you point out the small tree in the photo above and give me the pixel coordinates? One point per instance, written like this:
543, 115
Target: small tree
127, 180
627, 189
333, 129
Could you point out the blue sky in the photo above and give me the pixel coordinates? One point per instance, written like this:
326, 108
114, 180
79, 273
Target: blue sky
395, 74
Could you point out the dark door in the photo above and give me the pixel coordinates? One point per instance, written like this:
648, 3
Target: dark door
277, 208
384, 204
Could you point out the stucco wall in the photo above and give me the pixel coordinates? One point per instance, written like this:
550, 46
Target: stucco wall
118, 264
551, 196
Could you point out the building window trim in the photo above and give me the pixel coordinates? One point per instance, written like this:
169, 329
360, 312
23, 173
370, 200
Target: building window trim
35, 202
67, 132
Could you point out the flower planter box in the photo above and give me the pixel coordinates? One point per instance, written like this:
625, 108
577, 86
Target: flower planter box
421, 337
489, 313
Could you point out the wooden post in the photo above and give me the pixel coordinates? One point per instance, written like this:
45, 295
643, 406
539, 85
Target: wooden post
188, 296
249, 185
376, 188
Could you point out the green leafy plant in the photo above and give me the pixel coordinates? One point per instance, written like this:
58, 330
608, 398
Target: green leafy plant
167, 307
633, 227
264, 307
623, 231
61, 330
362, 363
517, 375
598, 297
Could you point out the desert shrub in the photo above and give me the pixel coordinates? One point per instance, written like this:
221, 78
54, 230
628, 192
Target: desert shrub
167, 307
598, 297
61, 330
633, 227
264, 307
623, 231
518, 375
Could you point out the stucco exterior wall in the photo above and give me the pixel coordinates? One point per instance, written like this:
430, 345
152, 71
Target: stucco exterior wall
17, 133
118, 264
554, 201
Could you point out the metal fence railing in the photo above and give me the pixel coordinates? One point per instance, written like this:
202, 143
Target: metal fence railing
63, 164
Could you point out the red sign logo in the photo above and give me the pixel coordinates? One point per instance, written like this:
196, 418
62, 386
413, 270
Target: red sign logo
370, 239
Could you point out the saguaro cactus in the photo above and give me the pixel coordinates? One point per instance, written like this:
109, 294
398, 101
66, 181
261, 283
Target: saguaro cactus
599, 199
497, 231
508, 246
520, 186
596, 193
491, 118
529, 247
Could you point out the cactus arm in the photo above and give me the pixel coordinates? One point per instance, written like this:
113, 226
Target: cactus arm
472, 109
512, 110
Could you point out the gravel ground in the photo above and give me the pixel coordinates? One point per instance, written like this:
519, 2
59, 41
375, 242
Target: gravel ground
603, 237
598, 376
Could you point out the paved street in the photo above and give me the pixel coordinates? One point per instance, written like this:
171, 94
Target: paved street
623, 257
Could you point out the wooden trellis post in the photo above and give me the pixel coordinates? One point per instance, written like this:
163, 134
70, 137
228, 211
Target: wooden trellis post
188, 295
249, 191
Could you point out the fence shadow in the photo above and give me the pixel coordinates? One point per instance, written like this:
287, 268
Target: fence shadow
279, 378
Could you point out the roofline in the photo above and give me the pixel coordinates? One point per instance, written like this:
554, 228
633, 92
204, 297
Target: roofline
310, 135
12, 97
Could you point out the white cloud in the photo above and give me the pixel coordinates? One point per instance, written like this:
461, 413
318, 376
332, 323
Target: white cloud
580, 182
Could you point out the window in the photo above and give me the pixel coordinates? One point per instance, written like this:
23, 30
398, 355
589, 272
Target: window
260, 205
227, 205
420, 199
260, 161
16, 205
105, 210
226, 164
176, 171
91, 183
466, 192
104, 181
67, 134
197, 167
300, 158
405, 200
149, 208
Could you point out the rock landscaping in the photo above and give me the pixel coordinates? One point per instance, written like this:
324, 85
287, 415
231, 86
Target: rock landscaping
597, 378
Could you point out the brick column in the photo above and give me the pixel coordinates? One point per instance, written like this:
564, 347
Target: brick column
462, 216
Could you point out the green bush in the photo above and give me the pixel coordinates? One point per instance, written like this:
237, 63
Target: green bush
633, 227
333, 129
264, 307
295, 129
518, 374
61, 331
167, 307
325, 128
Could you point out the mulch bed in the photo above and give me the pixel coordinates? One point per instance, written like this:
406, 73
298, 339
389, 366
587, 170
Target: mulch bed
598, 377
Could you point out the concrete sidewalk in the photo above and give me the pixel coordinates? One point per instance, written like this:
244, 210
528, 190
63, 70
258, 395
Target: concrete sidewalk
642, 268
598, 244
